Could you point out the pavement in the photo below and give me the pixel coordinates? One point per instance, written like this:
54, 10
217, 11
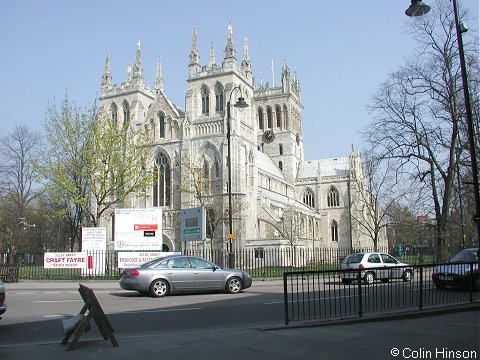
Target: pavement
443, 333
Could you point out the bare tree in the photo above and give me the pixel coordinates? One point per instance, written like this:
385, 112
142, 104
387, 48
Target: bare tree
375, 193
419, 116
201, 185
18, 186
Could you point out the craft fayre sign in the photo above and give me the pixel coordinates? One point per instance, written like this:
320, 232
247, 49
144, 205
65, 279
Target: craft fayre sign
135, 259
74, 260
138, 229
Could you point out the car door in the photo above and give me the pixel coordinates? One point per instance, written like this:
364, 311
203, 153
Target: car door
374, 261
180, 273
207, 276
390, 263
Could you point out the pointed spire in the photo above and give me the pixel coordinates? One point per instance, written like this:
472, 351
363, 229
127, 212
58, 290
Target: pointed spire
230, 48
286, 85
273, 75
246, 56
194, 56
137, 67
211, 62
107, 76
296, 82
246, 64
129, 74
158, 86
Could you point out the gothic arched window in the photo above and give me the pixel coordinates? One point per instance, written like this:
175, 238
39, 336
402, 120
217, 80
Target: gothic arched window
309, 198
218, 97
216, 169
161, 182
205, 101
280, 149
278, 115
161, 125
260, 118
114, 112
334, 230
285, 117
333, 199
126, 113
269, 118
280, 165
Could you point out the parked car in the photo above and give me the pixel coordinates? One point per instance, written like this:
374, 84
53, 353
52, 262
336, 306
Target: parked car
3, 307
458, 272
374, 266
177, 273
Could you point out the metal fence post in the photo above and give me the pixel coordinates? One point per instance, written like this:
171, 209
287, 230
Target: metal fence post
420, 291
360, 300
471, 285
285, 297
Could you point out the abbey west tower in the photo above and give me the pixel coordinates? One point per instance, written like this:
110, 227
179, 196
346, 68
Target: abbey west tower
189, 155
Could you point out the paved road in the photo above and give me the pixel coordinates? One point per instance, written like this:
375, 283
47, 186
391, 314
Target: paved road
418, 336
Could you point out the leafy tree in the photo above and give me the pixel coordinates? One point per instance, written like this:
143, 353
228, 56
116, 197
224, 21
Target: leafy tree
92, 164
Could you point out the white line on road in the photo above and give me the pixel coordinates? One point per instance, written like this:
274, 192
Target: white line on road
56, 301
163, 310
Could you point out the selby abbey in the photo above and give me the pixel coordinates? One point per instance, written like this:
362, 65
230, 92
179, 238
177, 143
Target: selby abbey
278, 199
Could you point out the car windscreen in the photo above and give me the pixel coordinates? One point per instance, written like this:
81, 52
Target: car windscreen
465, 256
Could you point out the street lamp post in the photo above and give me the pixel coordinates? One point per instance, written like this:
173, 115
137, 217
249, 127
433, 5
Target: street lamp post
239, 104
417, 8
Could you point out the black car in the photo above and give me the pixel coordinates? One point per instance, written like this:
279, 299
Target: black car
461, 271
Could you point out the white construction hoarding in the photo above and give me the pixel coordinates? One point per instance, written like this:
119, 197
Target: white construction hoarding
138, 229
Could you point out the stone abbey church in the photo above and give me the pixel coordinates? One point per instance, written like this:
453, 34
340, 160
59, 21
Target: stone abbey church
278, 198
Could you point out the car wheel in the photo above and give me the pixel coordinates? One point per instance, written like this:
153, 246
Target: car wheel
234, 285
369, 278
407, 275
346, 281
159, 288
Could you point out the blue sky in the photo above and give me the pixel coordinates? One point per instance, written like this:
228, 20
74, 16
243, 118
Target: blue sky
342, 51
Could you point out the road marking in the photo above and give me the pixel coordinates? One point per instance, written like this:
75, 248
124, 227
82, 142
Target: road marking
163, 310
56, 301
55, 316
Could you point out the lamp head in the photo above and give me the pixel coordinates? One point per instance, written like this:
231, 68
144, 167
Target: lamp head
417, 8
241, 103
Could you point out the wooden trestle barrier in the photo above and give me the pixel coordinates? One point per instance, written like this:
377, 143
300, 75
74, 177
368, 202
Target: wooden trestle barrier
79, 324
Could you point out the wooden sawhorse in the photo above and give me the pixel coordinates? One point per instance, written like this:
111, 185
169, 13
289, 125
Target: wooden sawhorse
81, 322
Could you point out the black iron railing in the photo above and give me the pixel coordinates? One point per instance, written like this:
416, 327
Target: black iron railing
259, 262
311, 296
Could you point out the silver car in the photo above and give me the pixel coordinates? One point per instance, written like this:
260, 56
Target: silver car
374, 266
177, 273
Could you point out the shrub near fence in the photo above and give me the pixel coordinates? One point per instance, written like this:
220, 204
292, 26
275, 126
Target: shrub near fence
260, 263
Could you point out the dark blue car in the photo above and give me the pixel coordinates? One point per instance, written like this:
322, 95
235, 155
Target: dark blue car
3, 307
461, 271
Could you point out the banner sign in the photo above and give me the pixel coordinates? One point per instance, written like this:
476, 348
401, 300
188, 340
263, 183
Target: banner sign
138, 229
135, 259
74, 260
